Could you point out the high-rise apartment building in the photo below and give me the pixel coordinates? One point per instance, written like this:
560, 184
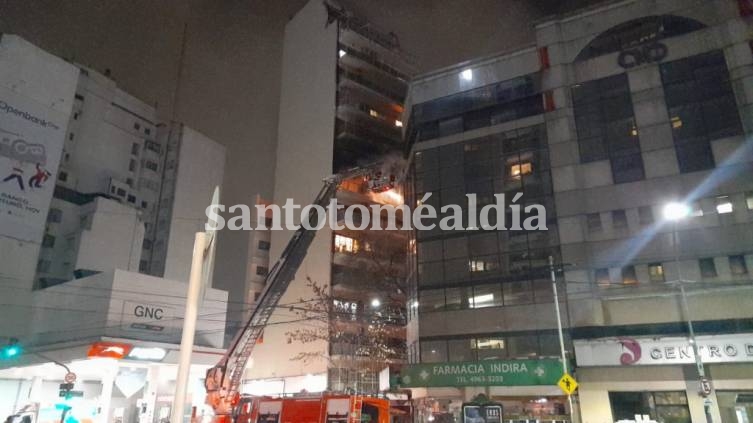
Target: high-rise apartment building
617, 111
130, 192
343, 87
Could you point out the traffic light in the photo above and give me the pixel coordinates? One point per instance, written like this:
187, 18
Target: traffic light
11, 351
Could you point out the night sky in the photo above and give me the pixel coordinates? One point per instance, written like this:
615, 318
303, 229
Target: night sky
229, 84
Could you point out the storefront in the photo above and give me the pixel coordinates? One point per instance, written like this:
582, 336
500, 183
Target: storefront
526, 389
114, 380
626, 379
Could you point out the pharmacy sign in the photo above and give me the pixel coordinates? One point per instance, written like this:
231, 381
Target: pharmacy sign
482, 373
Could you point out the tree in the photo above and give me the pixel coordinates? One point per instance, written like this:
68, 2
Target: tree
363, 337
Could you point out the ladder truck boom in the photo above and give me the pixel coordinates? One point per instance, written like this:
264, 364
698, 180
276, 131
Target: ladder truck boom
223, 380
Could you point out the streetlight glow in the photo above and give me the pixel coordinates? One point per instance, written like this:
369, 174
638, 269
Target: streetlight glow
676, 211
375, 302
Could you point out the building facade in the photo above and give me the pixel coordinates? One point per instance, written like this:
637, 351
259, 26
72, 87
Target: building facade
616, 111
343, 85
95, 195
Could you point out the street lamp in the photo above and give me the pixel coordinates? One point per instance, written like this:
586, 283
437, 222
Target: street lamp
675, 212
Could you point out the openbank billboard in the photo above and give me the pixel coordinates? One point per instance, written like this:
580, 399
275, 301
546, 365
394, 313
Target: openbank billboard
33, 121
482, 373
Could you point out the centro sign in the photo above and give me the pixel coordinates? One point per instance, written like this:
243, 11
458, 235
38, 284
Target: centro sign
657, 351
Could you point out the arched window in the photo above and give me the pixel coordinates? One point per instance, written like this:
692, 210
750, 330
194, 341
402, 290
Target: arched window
636, 32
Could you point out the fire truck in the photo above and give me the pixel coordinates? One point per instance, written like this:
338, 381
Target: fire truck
324, 408
223, 380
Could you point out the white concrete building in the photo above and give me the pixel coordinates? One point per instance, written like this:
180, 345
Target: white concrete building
343, 83
128, 198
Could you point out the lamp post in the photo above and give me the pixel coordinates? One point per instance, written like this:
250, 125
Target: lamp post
559, 330
674, 212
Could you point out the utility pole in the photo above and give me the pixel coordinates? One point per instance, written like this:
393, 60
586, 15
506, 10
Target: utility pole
559, 329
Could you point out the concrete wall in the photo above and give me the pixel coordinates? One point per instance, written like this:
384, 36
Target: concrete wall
304, 157
107, 304
112, 238
201, 165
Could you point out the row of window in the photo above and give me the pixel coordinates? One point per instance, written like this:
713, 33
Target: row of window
481, 244
513, 266
707, 266
541, 344
723, 205
496, 294
701, 106
482, 149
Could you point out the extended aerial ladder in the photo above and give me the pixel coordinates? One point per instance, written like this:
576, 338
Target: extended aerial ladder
223, 380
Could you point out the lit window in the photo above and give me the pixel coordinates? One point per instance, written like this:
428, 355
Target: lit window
399, 123
696, 210
723, 205
656, 272
343, 244
676, 122
602, 277
481, 301
490, 344
373, 113
749, 200
482, 265
524, 168
467, 75
342, 53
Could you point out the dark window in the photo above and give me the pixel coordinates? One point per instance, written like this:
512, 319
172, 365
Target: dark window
55, 215
43, 266
132, 166
701, 106
606, 126
656, 272
708, 268
129, 182
261, 270
619, 219
659, 406
147, 131
450, 126
135, 149
144, 204
136, 126
121, 192
737, 265
75, 116
628, 275
70, 136
143, 266
132, 199
433, 351
645, 215
62, 176
264, 245
151, 165
593, 222
256, 296
48, 241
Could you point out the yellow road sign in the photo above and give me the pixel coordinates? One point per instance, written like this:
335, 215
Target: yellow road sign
568, 384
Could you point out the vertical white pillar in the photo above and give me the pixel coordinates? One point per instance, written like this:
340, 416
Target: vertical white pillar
150, 394
35, 392
105, 397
